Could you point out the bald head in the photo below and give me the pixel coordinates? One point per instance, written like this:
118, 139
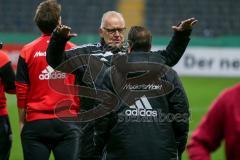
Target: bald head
111, 15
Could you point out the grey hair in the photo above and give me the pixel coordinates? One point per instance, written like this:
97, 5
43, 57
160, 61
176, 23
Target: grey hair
108, 14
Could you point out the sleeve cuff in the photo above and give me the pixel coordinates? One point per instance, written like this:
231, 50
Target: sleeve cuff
185, 33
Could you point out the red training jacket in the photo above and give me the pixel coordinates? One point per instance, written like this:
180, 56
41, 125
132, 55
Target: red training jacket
7, 79
222, 122
32, 81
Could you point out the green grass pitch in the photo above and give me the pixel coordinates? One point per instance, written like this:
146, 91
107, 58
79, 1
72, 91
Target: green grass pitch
201, 92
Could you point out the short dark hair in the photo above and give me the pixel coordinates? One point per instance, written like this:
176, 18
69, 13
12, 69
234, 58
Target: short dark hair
47, 16
139, 39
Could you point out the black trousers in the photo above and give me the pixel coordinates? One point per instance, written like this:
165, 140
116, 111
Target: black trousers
5, 138
40, 137
86, 143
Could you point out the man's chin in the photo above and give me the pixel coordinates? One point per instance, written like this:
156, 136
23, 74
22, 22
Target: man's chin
116, 45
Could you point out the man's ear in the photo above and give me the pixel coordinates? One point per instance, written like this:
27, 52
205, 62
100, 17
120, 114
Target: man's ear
129, 50
130, 45
100, 31
60, 20
150, 46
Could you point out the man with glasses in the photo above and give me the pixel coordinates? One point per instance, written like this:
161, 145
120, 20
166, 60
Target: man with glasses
111, 32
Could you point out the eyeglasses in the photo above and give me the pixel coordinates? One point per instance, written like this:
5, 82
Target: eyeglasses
114, 30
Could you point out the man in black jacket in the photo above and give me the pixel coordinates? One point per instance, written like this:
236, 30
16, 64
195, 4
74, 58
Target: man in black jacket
112, 42
151, 120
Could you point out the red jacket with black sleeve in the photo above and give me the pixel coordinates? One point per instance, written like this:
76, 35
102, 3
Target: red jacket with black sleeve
7, 79
34, 92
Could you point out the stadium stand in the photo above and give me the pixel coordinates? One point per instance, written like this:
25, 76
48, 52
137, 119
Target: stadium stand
216, 17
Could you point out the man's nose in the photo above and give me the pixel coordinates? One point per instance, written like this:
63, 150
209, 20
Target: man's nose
117, 33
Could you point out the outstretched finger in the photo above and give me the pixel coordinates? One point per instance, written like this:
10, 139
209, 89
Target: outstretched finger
189, 20
70, 35
65, 27
194, 22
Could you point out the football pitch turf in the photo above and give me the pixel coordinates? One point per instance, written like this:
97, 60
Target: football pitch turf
201, 92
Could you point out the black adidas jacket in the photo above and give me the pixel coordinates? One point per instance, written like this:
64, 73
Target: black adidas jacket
151, 120
56, 56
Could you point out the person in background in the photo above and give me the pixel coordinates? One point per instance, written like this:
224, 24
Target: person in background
41, 129
7, 80
221, 123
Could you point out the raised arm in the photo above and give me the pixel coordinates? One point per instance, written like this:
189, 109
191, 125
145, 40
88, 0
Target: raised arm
178, 43
55, 51
69, 60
